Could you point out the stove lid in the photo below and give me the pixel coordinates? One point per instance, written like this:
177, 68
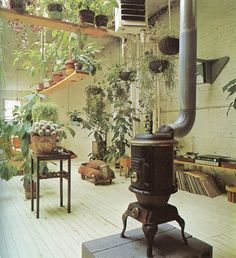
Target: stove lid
160, 139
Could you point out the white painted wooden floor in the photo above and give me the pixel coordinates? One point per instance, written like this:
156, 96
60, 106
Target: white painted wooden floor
96, 212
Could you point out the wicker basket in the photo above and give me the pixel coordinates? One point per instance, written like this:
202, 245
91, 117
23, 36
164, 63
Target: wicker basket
43, 144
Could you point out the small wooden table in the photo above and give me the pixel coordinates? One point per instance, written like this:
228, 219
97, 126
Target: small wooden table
35, 159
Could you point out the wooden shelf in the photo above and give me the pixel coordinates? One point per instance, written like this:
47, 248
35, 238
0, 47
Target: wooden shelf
202, 165
11, 15
67, 82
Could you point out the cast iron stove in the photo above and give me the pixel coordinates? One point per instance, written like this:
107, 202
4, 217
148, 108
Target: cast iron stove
153, 181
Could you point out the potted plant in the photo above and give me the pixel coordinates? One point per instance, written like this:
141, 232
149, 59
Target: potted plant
44, 136
55, 10
86, 15
104, 11
7, 170
18, 5
118, 93
95, 119
169, 45
74, 117
44, 111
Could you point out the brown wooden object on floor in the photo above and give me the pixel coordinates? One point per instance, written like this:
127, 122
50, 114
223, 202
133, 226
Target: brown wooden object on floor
35, 159
231, 193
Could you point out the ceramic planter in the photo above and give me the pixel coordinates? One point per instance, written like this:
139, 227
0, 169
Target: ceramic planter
87, 16
169, 45
56, 77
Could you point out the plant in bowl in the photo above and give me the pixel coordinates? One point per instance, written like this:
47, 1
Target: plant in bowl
44, 136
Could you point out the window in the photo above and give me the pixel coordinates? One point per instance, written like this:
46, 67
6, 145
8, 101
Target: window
9, 105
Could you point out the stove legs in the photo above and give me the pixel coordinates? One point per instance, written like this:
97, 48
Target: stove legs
149, 232
181, 223
124, 219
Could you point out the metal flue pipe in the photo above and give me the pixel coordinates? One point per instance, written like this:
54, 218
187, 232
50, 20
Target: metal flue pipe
187, 68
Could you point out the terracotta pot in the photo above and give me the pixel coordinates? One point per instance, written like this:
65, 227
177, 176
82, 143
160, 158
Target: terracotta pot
56, 77
169, 45
86, 16
158, 66
43, 144
101, 20
69, 64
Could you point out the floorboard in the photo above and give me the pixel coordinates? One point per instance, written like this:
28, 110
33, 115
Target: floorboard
96, 212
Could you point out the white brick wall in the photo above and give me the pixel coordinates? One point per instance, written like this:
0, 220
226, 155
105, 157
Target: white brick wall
213, 132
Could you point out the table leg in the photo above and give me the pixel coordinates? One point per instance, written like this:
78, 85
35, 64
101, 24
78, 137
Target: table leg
37, 188
69, 186
32, 184
61, 184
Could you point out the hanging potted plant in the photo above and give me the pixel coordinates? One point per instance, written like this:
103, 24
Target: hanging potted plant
55, 10
169, 45
18, 5
104, 11
86, 15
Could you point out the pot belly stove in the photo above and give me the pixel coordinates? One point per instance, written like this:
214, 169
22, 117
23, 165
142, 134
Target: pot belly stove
153, 181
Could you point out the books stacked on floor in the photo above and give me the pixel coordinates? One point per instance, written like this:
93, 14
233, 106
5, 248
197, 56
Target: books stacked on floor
211, 160
197, 182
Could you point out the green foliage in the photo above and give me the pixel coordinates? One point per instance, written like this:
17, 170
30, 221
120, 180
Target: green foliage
7, 130
147, 79
45, 111
94, 117
23, 120
104, 7
2, 70
123, 115
7, 171
85, 4
230, 87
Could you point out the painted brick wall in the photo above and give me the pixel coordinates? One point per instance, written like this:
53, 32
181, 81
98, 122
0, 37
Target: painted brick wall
213, 132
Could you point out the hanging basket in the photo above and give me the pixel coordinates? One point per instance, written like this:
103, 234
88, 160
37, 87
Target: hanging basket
43, 144
125, 76
158, 66
169, 45
86, 16
101, 20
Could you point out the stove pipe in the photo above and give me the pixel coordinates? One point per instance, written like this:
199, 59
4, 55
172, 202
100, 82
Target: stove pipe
187, 68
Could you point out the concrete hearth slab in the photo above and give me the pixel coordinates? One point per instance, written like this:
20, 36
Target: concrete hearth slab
168, 243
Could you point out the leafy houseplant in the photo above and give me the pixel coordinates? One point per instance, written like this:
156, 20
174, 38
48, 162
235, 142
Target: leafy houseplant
7, 170
230, 87
104, 11
123, 115
45, 111
95, 119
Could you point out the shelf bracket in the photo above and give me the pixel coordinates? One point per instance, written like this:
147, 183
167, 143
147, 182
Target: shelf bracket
208, 70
